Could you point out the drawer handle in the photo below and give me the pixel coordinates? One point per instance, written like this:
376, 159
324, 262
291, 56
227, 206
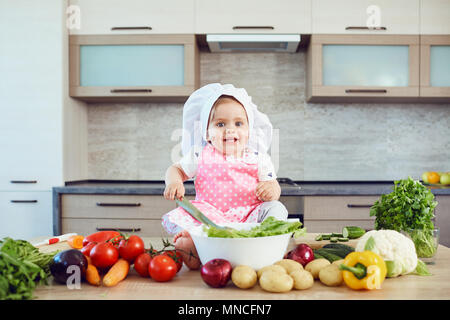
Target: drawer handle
119, 229
359, 205
130, 28
23, 181
24, 201
365, 91
103, 204
253, 27
130, 90
366, 28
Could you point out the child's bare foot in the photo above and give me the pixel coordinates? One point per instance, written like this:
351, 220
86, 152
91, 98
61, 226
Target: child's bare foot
184, 244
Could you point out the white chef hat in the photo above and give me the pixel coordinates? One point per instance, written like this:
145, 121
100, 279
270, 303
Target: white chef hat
197, 109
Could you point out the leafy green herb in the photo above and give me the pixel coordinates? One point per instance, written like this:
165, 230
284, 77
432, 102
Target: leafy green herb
409, 206
22, 268
269, 227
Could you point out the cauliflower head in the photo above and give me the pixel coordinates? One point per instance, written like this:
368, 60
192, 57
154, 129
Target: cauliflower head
397, 250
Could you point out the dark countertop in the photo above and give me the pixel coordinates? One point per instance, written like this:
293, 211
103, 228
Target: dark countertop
288, 187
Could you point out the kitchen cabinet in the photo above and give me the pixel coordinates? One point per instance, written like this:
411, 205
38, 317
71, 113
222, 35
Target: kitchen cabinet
365, 17
24, 215
326, 214
442, 220
137, 214
133, 67
132, 17
435, 67
38, 120
350, 68
251, 16
435, 17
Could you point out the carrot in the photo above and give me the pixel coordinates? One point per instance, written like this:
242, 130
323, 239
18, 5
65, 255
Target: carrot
117, 273
76, 241
92, 275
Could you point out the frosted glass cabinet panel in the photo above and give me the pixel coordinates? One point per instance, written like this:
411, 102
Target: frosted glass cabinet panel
440, 66
435, 67
363, 65
361, 68
133, 67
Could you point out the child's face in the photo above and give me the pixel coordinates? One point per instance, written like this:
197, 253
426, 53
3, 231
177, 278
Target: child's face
228, 128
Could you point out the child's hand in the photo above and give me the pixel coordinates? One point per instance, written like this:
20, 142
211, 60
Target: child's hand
268, 190
174, 190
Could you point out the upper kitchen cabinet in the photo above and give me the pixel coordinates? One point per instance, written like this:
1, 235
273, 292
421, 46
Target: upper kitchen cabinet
133, 67
350, 68
253, 16
435, 67
131, 16
365, 16
434, 17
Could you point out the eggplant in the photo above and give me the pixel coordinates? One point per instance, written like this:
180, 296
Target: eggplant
59, 267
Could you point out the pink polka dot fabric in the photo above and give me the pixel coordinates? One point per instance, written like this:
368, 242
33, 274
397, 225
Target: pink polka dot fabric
225, 192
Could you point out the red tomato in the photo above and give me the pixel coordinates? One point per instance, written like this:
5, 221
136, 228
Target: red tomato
104, 255
176, 256
141, 264
86, 250
130, 248
162, 268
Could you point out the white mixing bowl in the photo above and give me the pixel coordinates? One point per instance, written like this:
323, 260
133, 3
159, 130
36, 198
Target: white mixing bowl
255, 252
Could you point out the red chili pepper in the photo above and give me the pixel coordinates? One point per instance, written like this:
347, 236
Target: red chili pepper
101, 236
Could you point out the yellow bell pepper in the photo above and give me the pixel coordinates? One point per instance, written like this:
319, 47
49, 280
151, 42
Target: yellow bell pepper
363, 270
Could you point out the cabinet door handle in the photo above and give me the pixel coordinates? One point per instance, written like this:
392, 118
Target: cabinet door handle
119, 229
130, 90
359, 205
23, 181
130, 28
24, 201
103, 204
365, 28
365, 91
253, 27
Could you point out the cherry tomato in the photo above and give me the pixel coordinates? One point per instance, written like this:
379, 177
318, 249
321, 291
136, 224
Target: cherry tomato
130, 248
104, 255
141, 264
86, 250
176, 256
162, 268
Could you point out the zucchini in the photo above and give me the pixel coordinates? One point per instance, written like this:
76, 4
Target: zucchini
328, 255
352, 232
344, 249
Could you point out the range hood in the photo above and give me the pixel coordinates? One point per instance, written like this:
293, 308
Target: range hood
253, 42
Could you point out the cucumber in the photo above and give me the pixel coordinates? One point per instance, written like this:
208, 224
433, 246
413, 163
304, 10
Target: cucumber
317, 256
352, 232
337, 235
328, 255
333, 239
326, 236
341, 247
343, 239
318, 238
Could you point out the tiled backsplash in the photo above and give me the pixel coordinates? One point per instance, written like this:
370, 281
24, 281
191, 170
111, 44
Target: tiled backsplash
315, 141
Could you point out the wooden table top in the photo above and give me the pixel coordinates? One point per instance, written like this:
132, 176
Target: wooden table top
188, 285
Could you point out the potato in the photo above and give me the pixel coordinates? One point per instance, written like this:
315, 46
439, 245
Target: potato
331, 276
274, 281
272, 267
302, 279
316, 265
338, 262
244, 277
290, 265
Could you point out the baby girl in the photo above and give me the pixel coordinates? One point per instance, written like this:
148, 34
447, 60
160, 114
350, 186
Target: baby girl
235, 180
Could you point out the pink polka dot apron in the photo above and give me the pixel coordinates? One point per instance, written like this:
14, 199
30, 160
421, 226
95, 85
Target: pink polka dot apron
225, 190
